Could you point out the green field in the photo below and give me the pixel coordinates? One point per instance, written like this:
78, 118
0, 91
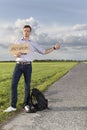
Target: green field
43, 75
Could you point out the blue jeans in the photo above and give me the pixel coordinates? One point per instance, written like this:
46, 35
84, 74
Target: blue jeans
20, 69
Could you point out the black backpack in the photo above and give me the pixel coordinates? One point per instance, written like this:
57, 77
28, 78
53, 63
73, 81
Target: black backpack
38, 100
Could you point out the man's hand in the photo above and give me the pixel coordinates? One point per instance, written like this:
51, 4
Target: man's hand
57, 46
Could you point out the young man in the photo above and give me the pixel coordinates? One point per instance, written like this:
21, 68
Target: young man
24, 66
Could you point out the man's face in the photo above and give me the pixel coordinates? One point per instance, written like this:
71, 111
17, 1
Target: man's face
26, 32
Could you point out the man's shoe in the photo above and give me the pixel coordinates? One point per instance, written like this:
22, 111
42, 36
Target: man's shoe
26, 108
10, 109
29, 109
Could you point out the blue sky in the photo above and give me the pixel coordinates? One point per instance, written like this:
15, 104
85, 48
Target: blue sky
52, 20
47, 11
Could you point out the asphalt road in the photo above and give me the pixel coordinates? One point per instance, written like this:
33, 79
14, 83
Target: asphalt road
67, 102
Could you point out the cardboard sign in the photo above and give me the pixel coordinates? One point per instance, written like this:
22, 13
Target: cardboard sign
15, 48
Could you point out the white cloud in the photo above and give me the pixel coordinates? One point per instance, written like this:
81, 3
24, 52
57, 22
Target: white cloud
31, 21
71, 38
80, 27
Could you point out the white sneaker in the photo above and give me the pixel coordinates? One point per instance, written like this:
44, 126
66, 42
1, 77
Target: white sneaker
26, 108
29, 109
10, 109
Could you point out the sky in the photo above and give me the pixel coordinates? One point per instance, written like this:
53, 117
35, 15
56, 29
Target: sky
52, 21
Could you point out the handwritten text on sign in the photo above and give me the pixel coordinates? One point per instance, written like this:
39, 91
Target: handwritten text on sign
15, 48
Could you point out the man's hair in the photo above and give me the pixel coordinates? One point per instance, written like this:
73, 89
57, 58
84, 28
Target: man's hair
27, 26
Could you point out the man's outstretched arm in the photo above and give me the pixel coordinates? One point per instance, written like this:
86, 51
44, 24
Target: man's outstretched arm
49, 50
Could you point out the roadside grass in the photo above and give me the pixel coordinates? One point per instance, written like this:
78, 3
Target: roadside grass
43, 75
85, 62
